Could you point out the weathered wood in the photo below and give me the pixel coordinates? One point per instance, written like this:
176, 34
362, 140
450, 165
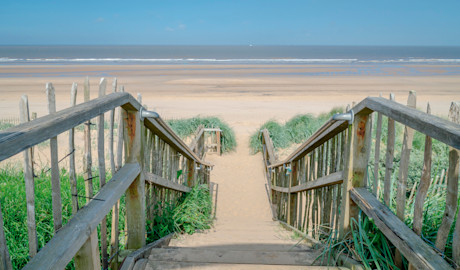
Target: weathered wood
16, 139
389, 159
328, 180
120, 130
218, 142
162, 182
29, 183
111, 127
57, 253
353, 174
424, 184
102, 171
417, 252
378, 138
135, 195
327, 131
55, 178
88, 256
452, 185
433, 126
292, 204
72, 171
5, 261
403, 172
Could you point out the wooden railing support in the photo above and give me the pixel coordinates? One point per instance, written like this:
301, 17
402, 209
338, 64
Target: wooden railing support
135, 195
354, 171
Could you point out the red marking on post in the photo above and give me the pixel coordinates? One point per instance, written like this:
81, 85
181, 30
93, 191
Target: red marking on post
131, 124
361, 129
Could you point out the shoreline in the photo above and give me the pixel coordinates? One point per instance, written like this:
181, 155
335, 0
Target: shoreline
243, 96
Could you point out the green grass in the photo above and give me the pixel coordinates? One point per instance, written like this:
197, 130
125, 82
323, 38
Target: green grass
187, 127
296, 130
170, 217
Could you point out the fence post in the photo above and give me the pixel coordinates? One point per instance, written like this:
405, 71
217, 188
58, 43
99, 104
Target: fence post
293, 181
354, 169
135, 195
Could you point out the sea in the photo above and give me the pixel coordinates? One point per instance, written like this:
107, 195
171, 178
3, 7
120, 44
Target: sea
247, 54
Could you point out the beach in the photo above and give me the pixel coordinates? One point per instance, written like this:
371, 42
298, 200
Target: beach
243, 95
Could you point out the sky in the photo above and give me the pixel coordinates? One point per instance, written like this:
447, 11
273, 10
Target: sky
231, 22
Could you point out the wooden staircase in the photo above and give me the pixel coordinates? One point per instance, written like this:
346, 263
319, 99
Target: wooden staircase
220, 258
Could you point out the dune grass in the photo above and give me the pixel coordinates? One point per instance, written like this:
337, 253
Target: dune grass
187, 127
295, 130
170, 217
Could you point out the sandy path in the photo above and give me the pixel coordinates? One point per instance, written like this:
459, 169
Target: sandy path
244, 219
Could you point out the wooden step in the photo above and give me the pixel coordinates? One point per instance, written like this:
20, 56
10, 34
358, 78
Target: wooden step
167, 265
200, 255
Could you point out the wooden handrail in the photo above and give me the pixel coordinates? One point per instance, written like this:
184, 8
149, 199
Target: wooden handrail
23, 136
69, 239
410, 244
160, 181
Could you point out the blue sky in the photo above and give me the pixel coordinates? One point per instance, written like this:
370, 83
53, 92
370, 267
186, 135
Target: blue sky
231, 22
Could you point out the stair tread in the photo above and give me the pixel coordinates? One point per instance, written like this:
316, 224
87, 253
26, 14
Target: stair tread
202, 255
166, 265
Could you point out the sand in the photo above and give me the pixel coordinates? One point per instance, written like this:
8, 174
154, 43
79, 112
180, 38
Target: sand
245, 97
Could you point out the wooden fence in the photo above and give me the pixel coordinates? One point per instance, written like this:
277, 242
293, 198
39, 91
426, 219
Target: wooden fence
207, 140
157, 168
324, 184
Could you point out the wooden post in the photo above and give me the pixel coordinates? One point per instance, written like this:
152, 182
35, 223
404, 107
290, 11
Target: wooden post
5, 261
403, 172
378, 138
353, 173
452, 188
292, 203
135, 195
389, 159
424, 183
29, 183
102, 172
55, 178
72, 172
218, 142
88, 255
111, 127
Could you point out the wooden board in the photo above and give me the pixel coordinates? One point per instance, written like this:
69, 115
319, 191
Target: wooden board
23, 136
408, 243
160, 181
328, 180
58, 252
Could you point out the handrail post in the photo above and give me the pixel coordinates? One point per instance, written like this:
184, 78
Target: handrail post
356, 160
293, 181
135, 195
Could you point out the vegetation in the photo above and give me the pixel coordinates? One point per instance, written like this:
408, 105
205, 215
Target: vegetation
187, 127
373, 251
189, 213
296, 130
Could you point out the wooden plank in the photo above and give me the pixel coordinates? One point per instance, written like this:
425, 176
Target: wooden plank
328, 180
353, 174
403, 172
72, 171
111, 133
425, 180
327, 131
389, 156
452, 185
162, 130
16, 139
5, 260
55, 178
135, 195
120, 130
417, 252
102, 171
433, 126
162, 182
378, 139
29, 183
88, 256
58, 252
218, 142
